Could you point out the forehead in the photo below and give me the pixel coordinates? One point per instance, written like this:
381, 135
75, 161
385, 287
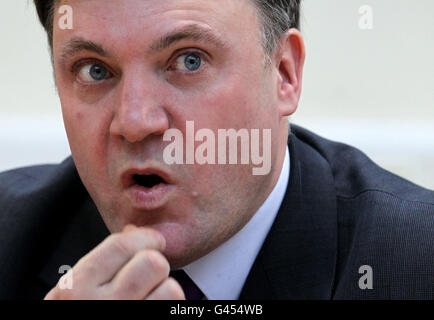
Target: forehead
111, 20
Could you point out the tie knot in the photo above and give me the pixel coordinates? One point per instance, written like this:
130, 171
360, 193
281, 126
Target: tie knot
191, 290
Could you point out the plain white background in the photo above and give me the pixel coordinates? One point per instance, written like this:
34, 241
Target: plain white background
369, 88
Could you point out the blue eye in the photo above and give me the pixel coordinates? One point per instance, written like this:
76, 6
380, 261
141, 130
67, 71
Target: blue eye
192, 62
93, 73
189, 62
97, 72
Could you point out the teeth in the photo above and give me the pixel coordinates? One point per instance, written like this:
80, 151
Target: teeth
148, 181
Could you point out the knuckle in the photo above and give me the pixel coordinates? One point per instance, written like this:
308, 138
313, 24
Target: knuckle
155, 261
120, 244
174, 290
81, 278
155, 235
131, 287
149, 237
150, 266
81, 274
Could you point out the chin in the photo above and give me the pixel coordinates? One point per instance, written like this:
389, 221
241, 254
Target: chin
181, 246
177, 256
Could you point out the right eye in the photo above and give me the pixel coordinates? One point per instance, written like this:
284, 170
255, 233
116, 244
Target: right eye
93, 72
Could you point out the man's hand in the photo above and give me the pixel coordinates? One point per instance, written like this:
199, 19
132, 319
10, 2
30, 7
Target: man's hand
126, 265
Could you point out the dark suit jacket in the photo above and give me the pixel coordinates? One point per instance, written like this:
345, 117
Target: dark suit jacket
340, 212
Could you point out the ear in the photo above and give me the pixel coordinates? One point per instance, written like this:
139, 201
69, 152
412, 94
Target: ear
289, 61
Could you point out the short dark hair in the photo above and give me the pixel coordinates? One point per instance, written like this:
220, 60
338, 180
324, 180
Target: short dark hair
277, 17
45, 10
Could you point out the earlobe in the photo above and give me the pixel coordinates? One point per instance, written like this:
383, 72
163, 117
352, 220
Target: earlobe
290, 61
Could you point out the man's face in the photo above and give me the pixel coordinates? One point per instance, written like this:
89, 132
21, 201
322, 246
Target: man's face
166, 62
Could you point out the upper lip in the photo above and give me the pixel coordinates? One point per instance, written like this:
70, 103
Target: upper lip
127, 177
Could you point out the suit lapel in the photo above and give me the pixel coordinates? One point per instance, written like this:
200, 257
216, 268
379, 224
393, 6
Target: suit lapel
298, 258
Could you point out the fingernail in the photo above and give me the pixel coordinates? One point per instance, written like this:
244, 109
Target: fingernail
162, 240
129, 227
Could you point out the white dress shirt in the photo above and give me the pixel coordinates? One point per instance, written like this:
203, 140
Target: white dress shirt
221, 273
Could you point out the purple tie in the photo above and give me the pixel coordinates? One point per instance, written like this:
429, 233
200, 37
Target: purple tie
191, 290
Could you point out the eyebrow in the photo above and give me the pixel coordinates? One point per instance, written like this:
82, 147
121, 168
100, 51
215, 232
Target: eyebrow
193, 31
77, 44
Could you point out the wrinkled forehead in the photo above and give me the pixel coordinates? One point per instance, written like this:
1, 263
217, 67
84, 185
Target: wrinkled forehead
140, 19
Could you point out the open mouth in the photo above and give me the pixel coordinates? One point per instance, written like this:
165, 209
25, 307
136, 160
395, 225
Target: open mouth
148, 180
147, 188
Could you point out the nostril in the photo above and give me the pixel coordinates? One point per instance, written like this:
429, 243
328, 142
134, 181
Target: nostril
148, 181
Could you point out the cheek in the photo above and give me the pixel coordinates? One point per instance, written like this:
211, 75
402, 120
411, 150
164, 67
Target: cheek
218, 107
87, 130
236, 104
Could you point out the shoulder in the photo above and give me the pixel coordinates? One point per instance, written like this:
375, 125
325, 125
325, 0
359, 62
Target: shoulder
25, 179
32, 188
33, 178
365, 191
384, 221
37, 204
354, 173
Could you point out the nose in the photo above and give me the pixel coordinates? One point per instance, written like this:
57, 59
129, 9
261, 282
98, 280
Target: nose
140, 111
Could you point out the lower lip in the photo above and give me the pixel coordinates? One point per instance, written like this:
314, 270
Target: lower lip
149, 198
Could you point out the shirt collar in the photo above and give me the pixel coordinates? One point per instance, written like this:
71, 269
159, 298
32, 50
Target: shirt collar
221, 273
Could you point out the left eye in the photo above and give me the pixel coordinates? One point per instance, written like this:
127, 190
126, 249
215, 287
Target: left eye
188, 62
93, 73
